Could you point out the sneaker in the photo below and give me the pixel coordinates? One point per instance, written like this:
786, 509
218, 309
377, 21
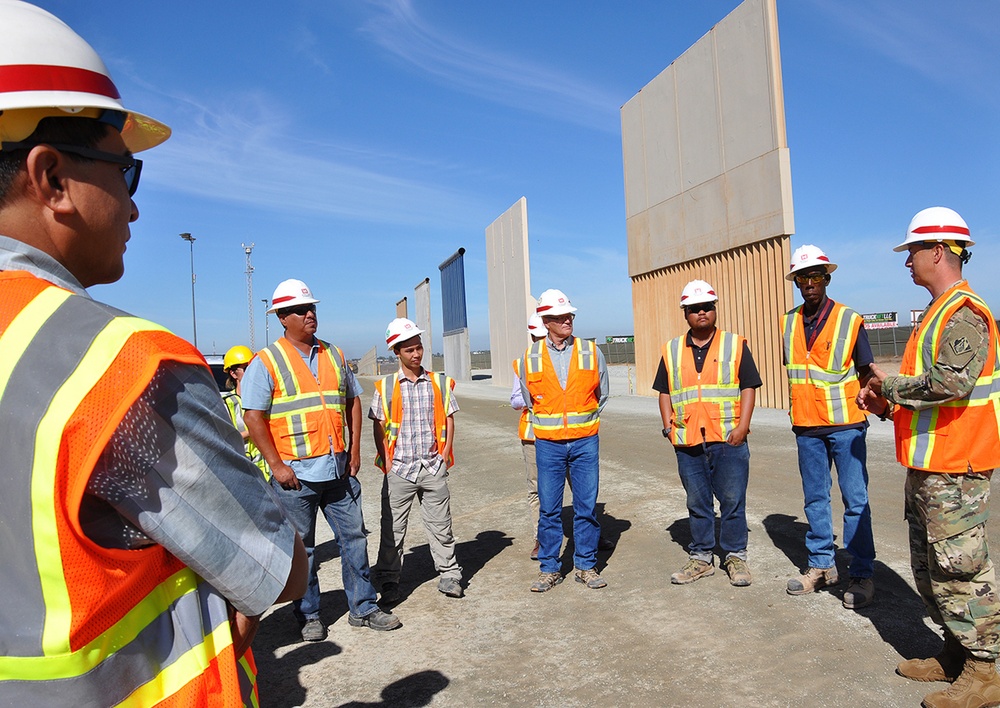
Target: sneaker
738, 571
546, 581
860, 593
390, 593
691, 571
812, 580
605, 544
313, 631
450, 587
591, 578
534, 551
378, 620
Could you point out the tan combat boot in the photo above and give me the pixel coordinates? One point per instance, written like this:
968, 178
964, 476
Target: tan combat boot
946, 666
976, 687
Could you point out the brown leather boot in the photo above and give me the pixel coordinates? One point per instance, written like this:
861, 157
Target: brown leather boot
976, 687
946, 666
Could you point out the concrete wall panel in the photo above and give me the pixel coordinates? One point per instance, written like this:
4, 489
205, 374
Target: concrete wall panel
508, 281
457, 356
422, 318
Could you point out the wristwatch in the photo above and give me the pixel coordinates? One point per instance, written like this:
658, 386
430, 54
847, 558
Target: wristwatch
666, 432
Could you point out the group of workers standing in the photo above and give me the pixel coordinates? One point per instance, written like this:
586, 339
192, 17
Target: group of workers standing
143, 537
945, 408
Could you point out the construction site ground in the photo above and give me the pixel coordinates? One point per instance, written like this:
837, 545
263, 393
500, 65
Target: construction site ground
638, 642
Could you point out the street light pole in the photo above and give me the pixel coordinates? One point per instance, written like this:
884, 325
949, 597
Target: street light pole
194, 319
267, 333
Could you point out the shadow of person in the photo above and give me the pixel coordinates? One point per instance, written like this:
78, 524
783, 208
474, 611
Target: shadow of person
611, 530
278, 676
410, 691
418, 565
897, 613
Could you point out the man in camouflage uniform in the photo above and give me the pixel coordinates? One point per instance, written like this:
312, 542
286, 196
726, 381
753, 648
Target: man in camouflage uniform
944, 406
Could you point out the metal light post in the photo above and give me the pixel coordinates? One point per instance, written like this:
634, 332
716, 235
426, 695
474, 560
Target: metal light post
267, 333
194, 319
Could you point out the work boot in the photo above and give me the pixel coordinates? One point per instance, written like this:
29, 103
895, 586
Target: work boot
691, 571
591, 578
978, 685
946, 666
812, 580
860, 593
546, 581
738, 571
378, 620
313, 631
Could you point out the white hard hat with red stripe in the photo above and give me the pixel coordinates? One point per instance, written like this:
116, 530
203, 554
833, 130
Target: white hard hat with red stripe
937, 224
290, 293
536, 328
554, 302
697, 291
47, 69
399, 330
806, 257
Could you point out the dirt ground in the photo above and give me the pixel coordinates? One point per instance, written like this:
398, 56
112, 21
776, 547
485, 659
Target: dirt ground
639, 642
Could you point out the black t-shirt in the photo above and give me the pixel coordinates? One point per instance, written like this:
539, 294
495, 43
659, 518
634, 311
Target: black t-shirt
748, 375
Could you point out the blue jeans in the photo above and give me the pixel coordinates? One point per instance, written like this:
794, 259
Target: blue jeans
847, 450
581, 458
340, 500
709, 472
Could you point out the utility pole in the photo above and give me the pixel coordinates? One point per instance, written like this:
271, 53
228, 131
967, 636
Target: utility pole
248, 250
194, 319
267, 334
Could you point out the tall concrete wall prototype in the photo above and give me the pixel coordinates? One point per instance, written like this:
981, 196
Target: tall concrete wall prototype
401, 308
708, 192
455, 318
368, 363
422, 317
509, 289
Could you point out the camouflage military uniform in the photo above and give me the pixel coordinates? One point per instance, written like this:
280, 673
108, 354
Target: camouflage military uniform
947, 514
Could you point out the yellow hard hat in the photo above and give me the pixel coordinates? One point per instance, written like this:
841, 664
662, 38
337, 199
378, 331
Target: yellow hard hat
237, 355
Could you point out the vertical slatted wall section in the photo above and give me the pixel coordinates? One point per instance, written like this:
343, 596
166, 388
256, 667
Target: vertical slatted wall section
753, 294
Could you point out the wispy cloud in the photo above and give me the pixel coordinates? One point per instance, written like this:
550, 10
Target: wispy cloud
954, 45
489, 74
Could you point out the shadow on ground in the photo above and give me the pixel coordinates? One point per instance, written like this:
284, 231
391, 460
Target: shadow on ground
410, 691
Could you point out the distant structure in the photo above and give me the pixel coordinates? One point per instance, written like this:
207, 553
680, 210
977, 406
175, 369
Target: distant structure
509, 289
401, 308
249, 272
368, 363
457, 356
422, 318
708, 192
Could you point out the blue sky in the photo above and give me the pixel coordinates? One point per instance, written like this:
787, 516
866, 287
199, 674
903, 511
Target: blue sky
360, 143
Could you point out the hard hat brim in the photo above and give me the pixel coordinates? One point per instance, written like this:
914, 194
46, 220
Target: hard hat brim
906, 244
392, 347
293, 303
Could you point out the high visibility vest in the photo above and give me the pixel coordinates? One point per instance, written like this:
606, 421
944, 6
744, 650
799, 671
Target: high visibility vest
557, 413
822, 381
706, 406
235, 407
955, 436
81, 624
306, 412
392, 414
525, 429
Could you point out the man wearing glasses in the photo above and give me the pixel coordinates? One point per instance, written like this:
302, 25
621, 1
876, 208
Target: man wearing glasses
302, 406
826, 354
140, 546
564, 381
708, 382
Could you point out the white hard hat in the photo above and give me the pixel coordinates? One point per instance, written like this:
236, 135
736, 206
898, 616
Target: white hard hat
399, 330
554, 302
936, 224
290, 293
697, 291
806, 257
47, 69
536, 328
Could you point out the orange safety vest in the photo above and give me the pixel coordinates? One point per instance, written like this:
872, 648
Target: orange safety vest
392, 414
525, 429
822, 382
306, 413
82, 624
706, 406
559, 414
953, 437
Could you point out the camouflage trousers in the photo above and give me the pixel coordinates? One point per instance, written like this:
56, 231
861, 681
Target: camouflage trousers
954, 575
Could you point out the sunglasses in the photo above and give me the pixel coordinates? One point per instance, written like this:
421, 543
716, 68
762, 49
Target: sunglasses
130, 166
300, 310
811, 279
700, 307
558, 318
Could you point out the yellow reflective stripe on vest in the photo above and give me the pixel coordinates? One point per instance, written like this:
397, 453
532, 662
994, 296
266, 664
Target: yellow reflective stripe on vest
94, 365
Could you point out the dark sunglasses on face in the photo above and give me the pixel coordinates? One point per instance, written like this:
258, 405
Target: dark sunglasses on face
130, 166
300, 310
810, 279
700, 307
